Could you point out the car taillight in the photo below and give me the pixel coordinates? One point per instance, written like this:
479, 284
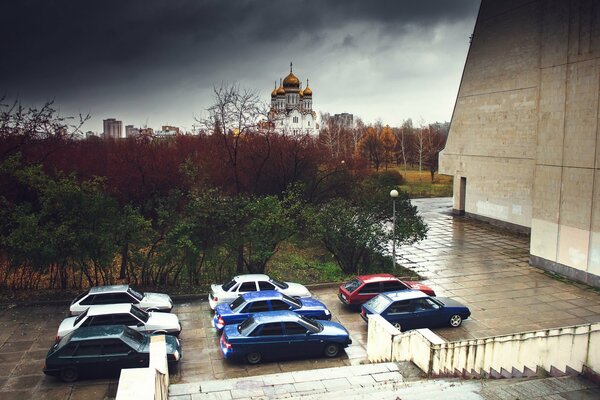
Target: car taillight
220, 322
215, 298
57, 338
224, 342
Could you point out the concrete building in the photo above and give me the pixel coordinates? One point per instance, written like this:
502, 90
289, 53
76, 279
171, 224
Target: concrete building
112, 128
291, 108
344, 120
524, 146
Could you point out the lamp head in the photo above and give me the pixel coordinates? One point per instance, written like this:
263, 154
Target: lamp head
394, 193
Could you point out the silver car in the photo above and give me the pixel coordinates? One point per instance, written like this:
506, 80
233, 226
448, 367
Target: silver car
120, 294
122, 314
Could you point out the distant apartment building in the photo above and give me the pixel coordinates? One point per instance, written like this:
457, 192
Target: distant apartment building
131, 131
170, 128
344, 120
112, 128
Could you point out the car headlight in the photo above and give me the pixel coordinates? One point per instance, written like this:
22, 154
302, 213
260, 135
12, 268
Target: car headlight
176, 355
327, 312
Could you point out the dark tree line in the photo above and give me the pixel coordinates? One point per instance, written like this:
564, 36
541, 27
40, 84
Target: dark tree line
183, 210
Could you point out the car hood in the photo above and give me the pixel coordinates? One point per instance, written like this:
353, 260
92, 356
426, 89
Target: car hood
159, 320
448, 302
155, 299
419, 286
331, 328
66, 326
312, 304
296, 289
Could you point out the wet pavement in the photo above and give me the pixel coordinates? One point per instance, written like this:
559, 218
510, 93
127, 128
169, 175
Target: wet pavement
485, 268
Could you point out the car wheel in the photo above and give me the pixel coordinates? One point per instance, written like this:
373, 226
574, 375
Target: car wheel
398, 326
455, 321
69, 375
254, 357
331, 350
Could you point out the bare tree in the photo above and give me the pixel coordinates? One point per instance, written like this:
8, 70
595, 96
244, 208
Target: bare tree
235, 113
402, 138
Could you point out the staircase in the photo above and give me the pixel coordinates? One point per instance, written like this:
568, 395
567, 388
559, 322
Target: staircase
383, 381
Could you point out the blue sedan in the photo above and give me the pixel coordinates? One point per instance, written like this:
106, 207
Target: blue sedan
281, 334
267, 300
413, 309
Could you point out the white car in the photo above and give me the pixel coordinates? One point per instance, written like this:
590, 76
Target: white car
122, 314
118, 294
251, 283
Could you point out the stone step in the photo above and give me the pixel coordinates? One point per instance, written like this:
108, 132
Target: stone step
381, 381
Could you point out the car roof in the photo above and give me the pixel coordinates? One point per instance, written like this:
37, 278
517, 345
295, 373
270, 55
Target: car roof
377, 278
104, 309
109, 289
98, 332
251, 277
262, 295
275, 316
405, 295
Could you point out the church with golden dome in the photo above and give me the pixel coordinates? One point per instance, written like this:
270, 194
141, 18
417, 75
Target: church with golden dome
291, 107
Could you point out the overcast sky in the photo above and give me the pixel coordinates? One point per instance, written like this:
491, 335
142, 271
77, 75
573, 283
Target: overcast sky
155, 62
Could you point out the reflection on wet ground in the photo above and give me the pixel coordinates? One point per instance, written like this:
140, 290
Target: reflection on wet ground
485, 268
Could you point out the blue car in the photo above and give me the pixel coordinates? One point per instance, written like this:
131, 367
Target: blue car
413, 309
282, 334
267, 300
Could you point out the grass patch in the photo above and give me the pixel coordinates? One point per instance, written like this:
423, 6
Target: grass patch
419, 185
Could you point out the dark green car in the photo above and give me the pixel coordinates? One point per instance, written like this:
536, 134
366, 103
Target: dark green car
103, 350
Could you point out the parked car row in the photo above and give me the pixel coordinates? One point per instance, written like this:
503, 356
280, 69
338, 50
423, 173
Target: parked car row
109, 329
406, 305
261, 318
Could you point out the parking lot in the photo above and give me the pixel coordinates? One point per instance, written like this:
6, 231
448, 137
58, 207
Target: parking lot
485, 268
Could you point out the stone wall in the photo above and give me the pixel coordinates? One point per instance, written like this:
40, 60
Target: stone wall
524, 132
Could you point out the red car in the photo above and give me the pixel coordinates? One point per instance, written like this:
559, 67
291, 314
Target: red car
365, 287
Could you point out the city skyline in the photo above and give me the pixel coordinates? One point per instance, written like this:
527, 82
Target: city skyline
156, 65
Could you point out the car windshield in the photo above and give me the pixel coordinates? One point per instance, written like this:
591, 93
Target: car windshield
139, 314
291, 300
311, 324
352, 285
80, 297
378, 303
80, 317
228, 285
133, 338
279, 284
135, 294
436, 301
247, 326
237, 304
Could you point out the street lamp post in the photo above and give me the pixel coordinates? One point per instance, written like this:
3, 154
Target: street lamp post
393, 195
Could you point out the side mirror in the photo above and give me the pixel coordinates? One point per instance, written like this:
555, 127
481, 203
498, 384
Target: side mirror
308, 333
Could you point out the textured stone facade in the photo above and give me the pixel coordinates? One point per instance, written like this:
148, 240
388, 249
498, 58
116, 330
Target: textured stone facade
524, 140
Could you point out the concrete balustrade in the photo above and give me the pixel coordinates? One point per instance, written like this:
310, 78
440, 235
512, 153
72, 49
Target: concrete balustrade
572, 349
150, 383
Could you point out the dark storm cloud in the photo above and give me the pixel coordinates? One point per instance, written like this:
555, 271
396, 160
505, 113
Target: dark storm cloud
98, 49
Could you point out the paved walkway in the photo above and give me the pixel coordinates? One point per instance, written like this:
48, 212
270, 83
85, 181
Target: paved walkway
382, 381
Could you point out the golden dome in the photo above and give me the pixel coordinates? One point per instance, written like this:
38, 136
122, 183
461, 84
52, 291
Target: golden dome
291, 81
281, 90
307, 91
301, 93
274, 92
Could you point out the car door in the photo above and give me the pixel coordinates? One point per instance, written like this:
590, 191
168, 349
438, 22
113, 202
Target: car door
300, 342
247, 287
393, 286
400, 313
88, 358
280, 305
428, 314
269, 340
119, 355
367, 292
264, 285
130, 321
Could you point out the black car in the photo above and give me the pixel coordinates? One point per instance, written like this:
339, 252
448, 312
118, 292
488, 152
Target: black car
103, 350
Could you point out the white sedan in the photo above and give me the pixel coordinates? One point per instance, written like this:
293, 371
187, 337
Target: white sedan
241, 284
122, 314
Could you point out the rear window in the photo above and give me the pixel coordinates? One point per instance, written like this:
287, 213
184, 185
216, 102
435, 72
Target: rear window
80, 297
378, 303
237, 303
228, 285
352, 285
